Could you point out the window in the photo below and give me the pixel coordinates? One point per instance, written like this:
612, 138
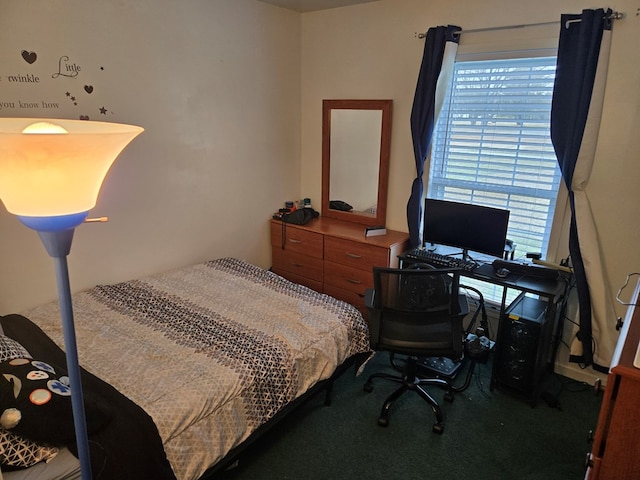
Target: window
492, 145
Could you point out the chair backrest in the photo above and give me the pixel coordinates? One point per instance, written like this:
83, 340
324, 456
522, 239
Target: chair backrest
417, 312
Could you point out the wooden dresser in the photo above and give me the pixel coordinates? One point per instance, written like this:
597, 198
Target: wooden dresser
333, 256
616, 446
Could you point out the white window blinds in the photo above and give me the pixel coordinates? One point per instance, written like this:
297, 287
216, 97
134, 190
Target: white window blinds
492, 144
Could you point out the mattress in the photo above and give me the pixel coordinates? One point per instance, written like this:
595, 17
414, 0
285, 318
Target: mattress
210, 351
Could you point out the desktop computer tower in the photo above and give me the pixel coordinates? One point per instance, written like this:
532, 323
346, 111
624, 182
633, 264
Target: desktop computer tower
523, 346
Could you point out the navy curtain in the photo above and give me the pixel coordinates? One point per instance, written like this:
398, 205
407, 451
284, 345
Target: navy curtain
578, 52
423, 116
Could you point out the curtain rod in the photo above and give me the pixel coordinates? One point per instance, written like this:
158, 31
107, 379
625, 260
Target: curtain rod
612, 16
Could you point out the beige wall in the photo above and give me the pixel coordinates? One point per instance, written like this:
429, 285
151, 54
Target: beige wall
371, 51
216, 85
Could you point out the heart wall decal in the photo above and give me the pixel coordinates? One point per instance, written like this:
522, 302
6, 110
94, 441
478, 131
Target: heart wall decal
88, 88
29, 57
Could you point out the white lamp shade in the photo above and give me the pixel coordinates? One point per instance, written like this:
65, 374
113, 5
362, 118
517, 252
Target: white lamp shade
56, 167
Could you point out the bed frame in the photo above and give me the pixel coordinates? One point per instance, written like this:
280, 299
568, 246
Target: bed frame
234, 456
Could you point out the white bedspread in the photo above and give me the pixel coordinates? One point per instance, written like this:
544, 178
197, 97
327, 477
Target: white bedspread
210, 351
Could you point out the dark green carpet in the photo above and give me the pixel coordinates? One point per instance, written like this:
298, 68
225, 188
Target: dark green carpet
488, 435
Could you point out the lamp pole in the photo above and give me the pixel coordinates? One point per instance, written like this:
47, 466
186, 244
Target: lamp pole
58, 245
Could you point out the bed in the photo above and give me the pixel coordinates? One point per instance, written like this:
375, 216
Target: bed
184, 368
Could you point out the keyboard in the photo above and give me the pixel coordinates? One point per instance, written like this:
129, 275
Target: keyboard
532, 270
440, 261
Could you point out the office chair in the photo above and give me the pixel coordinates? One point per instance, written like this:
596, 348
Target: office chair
416, 312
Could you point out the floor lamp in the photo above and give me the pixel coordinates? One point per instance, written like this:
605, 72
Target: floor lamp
51, 171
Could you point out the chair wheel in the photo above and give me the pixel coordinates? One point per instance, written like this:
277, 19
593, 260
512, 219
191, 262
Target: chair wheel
448, 396
438, 428
383, 421
368, 387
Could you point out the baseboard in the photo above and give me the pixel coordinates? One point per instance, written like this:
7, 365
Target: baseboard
574, 372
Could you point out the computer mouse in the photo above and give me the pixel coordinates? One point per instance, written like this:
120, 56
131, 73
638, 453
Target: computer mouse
502, 272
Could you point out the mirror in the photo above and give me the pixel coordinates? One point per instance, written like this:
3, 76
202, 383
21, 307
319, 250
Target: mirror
356, 144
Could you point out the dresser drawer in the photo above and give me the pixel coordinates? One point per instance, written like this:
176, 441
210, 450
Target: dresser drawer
297, 263
347, 278
295, 278
297, 240
353, 298
355, 254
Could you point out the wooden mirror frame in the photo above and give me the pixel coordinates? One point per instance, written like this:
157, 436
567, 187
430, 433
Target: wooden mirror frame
379, 218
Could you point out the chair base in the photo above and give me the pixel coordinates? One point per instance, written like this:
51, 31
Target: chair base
410, 381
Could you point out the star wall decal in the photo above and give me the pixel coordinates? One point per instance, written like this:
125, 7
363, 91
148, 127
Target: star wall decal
72, 98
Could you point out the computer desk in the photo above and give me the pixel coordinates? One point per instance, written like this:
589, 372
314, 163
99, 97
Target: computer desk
547, 329
552, 290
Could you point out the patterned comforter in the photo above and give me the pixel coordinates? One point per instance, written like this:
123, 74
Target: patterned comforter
210, 351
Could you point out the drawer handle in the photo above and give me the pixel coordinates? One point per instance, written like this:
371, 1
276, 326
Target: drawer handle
351, 280
353, 255
297, 264
293, 240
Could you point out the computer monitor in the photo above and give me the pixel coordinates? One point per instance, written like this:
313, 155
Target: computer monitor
466, 226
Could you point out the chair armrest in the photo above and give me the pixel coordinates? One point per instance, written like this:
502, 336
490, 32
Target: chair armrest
369, 297
463, 304
374, 317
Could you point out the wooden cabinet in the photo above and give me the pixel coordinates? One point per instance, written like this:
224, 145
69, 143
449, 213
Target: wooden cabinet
333, 256
616, 446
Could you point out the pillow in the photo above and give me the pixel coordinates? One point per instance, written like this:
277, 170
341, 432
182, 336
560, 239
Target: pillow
10, 349
35, 402
18, 452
